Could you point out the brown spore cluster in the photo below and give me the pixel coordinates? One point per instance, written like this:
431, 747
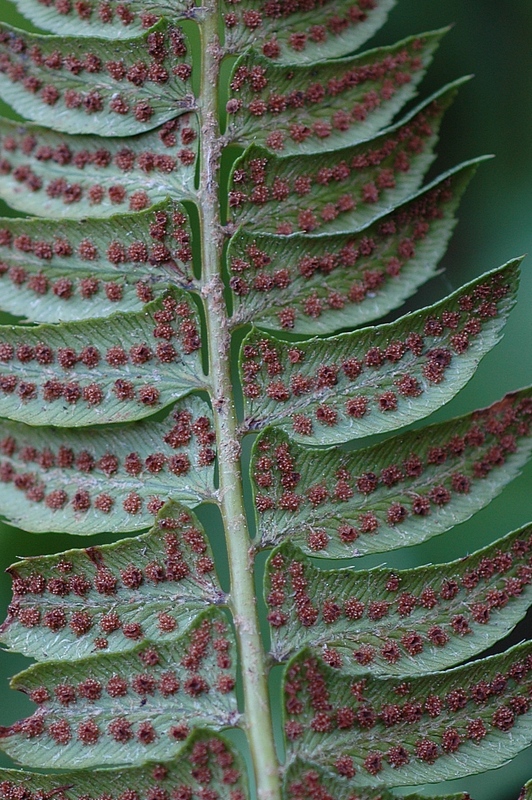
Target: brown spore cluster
207, 762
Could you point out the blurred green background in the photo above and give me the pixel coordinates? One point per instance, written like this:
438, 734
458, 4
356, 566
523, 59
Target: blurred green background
493, 114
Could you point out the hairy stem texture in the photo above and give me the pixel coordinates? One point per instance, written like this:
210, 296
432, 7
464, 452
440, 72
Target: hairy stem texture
230, 495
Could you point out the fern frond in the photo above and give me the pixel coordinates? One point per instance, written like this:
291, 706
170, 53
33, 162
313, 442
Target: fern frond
206, 177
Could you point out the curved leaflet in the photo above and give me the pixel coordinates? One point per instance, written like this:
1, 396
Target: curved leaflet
399, 622
59, 175
337, 504
84, 481
324, 391
63, 82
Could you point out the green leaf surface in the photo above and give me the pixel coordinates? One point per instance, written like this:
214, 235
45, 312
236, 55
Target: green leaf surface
300, 33
207, 762
124, 708
324, 391
112, 19
309, 109
391, 732
111, 598
319, 284
402, 622
109, 479
334, 504
304, 781
55, 271
343, 190
526, 792
57, 175
117, 369
73, 84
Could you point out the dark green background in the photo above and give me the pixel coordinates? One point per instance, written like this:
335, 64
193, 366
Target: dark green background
493, 114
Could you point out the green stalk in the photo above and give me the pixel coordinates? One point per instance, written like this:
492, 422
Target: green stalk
258, 720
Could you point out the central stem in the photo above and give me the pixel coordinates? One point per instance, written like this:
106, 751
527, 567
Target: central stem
241, 563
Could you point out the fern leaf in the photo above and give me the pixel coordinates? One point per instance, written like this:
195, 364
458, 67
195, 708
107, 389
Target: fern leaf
345, 189
526, 794
60, 271
319, 284
295, 33
397, 493
391, 732
62, 82
303, 782
110, 370
154, 690
205, 762
157, 235
112, 19
309, 109
71, 480
331, 390
402, 622
112, 598
57, 175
